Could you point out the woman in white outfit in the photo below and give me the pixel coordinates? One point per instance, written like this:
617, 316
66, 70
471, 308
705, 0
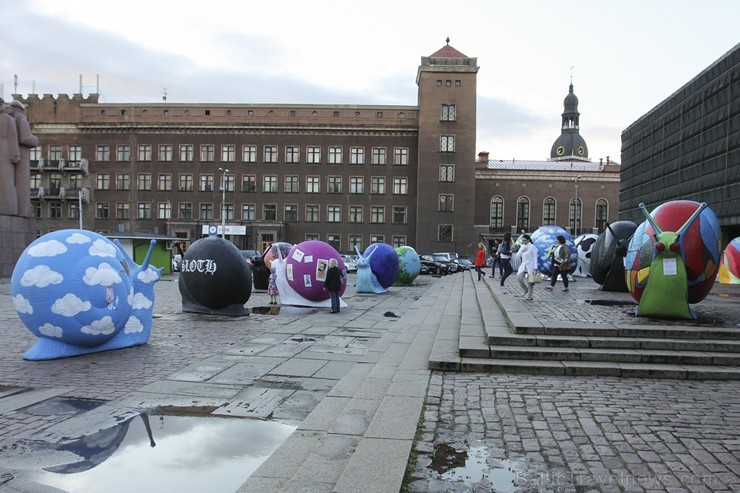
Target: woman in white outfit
527, 255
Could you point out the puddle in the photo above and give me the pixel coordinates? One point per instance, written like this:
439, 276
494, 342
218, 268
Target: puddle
283, 310
475, 466
610, 303
163, 453
62, 406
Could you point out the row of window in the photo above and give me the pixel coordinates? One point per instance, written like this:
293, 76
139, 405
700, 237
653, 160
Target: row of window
549, 207
228, 153
355, 242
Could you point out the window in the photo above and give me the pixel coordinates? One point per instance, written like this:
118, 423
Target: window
55, 210
334, 213
574, 215
355, 214
311, 237
123, 211
102, 152
165, 153
313, 155
269, 212
400, 185
312, 213
229, 183
446, 202
144, 181
143, 210
447, 143
206, 183
35, 181
186, 210
334, 184
377, 214
497, 212
335, 241
55, 152
74, 210
164, 210
291, 212
101, 210
206, 211
602, 213
357, 155
292, 154
377, 239
36, 210
145, 152
102, 181
186, 153
269, 183
313, 184
75, 181
186, 182
164, 181
37, 153
378, 155
548, 212
75, 153
399, 214
228, 153
398, 241
55, 183
377, 185
248, 212
228, 212
356, 184
249, 183
335, 155
207, 153
522, 214
448, 113
123, 153
444, 232
270, 154
249, 154
447, 173
354, 242
292, 184
401, 156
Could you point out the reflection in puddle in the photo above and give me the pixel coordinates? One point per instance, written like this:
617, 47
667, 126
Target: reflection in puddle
165, 454
283, 310
472, 466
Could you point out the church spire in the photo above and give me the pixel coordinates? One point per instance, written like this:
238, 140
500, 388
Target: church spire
570, 145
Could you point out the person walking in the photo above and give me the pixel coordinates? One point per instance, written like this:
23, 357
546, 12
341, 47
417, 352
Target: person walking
480, 260
495, 260
504, 255
333, 284
560, 264
527, 255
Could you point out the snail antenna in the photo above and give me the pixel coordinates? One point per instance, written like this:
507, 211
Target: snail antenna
691, 219
650, 219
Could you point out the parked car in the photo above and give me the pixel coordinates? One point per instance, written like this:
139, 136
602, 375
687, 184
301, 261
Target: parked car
433, 266
464, 264
250, 255
350, 262
452, 266
446, 255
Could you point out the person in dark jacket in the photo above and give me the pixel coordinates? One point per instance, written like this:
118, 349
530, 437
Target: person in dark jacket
504, 253
333, 284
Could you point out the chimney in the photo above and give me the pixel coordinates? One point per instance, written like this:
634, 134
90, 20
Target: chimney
607, 160
483, 157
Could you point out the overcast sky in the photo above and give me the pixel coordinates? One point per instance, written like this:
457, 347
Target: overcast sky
627, 55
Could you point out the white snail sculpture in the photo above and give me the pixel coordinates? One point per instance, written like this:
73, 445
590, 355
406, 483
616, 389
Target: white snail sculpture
80, 293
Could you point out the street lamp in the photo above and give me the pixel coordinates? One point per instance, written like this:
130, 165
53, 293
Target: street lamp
576, 208
223, 201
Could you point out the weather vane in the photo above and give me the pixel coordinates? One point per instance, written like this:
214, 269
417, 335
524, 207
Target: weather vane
571, 73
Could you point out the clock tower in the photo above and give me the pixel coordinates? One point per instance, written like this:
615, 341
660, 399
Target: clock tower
570, 146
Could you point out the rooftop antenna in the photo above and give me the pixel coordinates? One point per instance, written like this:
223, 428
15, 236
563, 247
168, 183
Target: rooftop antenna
80, 83
97, 83
164, 94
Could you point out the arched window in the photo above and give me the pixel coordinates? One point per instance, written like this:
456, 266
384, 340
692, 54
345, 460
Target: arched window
602, 215
497, 212
548, 212
522, 214
575, 219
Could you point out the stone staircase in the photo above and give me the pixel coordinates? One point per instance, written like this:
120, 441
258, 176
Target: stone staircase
498, 333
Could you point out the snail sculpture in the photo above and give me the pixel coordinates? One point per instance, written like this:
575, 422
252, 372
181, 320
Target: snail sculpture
80, 293
673, 258
607, 256
377, 268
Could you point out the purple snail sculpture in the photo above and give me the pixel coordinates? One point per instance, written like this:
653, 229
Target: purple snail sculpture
673, 259
377, 268
80, 293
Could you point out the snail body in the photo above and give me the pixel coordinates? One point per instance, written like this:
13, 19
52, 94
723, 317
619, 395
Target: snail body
78, 293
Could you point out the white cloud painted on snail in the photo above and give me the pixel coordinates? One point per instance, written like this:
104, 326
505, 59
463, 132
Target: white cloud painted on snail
22, 305
103, 275
133, 325
50, 248
103, 326
70, 305
148, 275
102, 248
78, 238
50, 330
41, 276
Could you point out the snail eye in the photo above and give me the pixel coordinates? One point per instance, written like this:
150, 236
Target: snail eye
659, 246
675, 247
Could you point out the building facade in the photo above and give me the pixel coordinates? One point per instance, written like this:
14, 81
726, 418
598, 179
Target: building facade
350, 175
688, 147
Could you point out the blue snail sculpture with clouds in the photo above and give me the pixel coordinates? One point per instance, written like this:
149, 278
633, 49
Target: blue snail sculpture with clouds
80, 293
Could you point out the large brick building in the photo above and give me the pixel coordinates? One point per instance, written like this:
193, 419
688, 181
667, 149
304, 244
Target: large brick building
349, 175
